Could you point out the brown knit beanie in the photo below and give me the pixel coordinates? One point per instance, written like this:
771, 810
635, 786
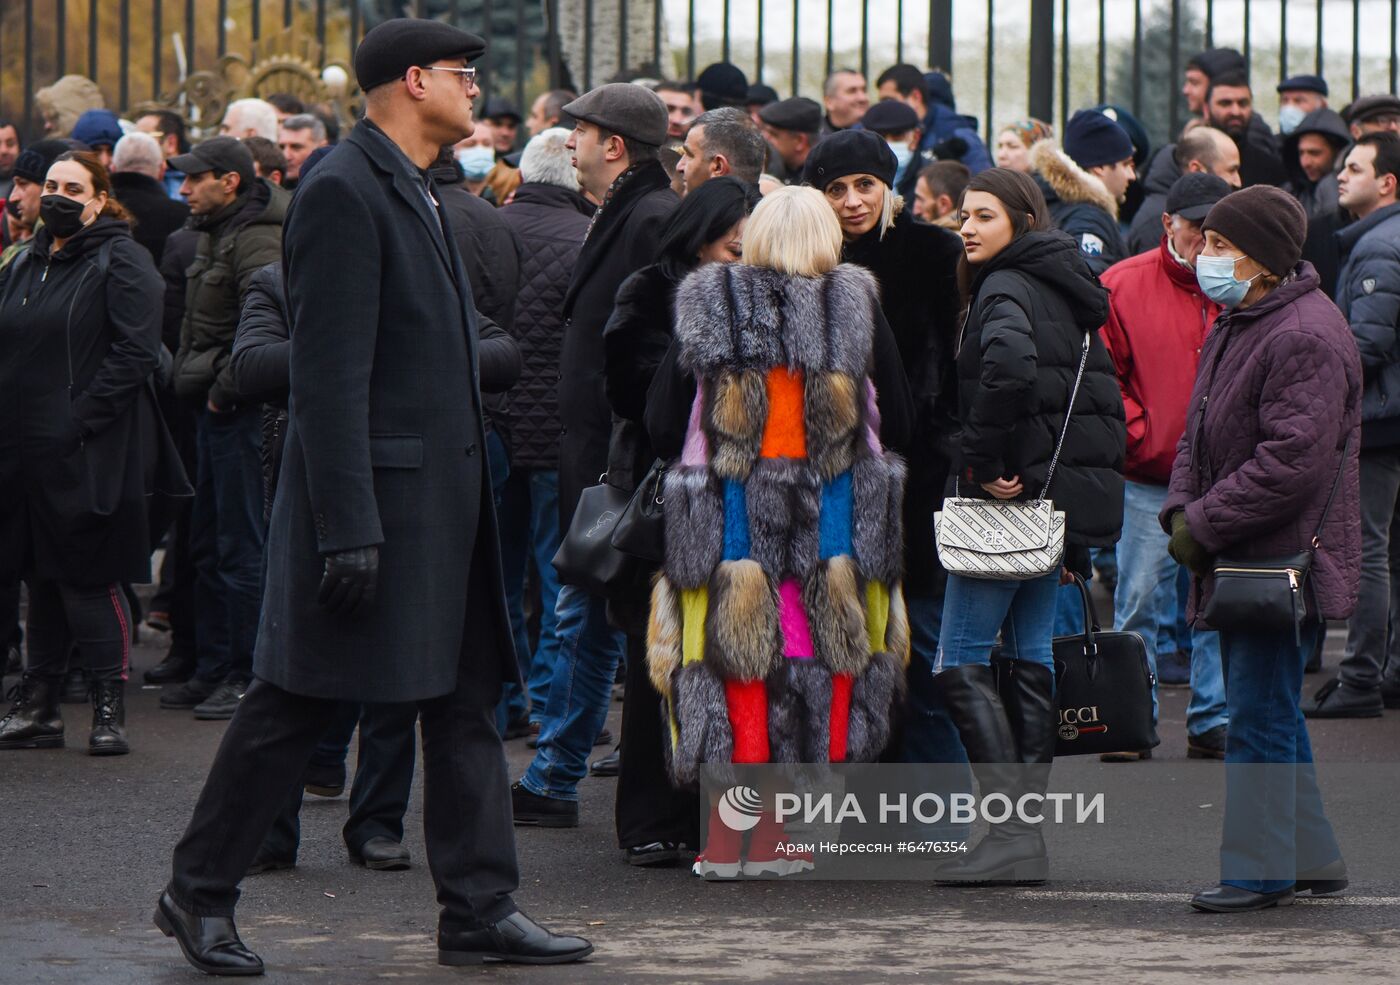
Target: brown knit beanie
1265, 222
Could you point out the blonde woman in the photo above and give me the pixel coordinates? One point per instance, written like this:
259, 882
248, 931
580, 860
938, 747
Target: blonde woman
778, 632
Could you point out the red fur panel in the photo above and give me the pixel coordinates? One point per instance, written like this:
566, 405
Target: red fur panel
840, 714
748, 718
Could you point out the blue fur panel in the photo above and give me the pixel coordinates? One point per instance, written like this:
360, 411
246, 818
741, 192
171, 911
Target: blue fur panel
836, 517
736, 521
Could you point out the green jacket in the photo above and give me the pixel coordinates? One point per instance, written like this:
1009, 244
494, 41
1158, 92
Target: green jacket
234, 244
12, 251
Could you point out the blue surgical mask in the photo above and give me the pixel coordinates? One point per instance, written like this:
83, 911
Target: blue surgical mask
476, 162
1289, 118
902, 155
1216, 275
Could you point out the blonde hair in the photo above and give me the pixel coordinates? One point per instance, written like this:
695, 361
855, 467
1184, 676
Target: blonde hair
793, 231
891, 206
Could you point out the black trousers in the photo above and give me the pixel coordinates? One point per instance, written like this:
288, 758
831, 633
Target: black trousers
466, 798
10, 633
649, 808
94, 622
383, 782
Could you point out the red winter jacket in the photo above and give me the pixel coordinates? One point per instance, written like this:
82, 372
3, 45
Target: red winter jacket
1157, 323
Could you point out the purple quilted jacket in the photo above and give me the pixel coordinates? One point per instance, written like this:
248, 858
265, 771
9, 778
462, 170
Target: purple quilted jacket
1280, 387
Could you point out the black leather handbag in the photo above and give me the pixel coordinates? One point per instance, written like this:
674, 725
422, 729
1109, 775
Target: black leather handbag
1103, 686
586, 557
1268, 593
641, 530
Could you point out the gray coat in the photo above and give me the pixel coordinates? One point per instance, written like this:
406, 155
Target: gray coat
1368, 293
385, 445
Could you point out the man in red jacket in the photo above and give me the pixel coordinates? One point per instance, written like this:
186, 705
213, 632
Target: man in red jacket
1157, 322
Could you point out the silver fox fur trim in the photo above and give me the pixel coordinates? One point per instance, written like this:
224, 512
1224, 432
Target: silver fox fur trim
703, 714
874, 697
784, 501
799, 713
737, 316
694, 516
877, 516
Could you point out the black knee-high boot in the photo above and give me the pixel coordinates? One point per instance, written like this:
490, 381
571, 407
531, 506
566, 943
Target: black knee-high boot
1012, 852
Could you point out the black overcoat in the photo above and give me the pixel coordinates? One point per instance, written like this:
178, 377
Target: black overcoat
623, 240
385, 444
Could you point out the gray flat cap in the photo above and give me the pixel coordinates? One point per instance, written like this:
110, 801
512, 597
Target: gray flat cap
798, 114
625, 109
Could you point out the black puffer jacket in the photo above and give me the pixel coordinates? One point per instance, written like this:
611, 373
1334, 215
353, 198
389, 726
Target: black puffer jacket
916, 266
550, 223
1032, 306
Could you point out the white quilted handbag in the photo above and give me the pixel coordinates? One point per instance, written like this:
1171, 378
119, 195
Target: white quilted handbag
1005, 540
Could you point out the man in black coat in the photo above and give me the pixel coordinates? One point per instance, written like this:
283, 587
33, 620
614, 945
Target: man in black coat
137, 167
620, 128
383, 476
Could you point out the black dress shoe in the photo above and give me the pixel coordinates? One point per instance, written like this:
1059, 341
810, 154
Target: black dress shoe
211, 944
609, 765
325, 781
1210, 744
657, 853
1338, 699
220, 706
382, 854
543, 812
1326, 880
176, 668
188, 695
1232, 899
516, 939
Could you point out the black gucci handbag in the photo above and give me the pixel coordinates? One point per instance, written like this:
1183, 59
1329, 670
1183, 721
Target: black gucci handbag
1103, 686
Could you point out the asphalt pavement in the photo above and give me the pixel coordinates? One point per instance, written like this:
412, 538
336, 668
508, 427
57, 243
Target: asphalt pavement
85, 846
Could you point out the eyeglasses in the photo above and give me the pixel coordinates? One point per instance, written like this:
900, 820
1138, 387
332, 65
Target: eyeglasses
467, 75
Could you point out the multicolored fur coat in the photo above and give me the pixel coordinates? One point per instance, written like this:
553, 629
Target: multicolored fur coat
778, 630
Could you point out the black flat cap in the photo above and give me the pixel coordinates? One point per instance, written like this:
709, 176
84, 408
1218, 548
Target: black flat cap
1303, 83
890, 116
760, 95
218, 154
392, 48
1192, 195
849, 152
624, 109
726, 84
498, 107
1369, 106
799, 114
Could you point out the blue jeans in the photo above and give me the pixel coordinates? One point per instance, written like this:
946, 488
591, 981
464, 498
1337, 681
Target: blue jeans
579, 694
1275, 825
1146, 604
974, 609
529, 522
226, 542
929, 733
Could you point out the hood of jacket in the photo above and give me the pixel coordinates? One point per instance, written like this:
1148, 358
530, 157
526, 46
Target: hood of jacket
1162, 172
1066, 181
539, 193
87, 240
1054, 259
1322, 121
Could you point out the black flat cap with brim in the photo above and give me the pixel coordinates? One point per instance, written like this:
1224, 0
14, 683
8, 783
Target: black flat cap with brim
1368, 107
798, 114
226, 154
392, 48
1193, 194
625, 109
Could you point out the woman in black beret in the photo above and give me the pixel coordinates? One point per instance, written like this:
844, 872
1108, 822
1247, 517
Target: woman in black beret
916, 266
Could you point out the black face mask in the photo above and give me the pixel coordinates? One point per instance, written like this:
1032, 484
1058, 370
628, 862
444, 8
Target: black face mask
62, 216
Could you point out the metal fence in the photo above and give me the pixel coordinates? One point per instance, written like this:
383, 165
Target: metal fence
142, 50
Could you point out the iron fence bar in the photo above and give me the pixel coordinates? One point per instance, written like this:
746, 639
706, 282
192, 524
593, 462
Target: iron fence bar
1282, 40
92, 40
1040, 99
1137, 58
587, 45
865, 39
257, 18
556, 65
829, 40
355, 28
155, 48
1317, 61
286, 13
940, 34
1394, 42
1355, 49
1174, 72
321, 30
724, 34
222, 33
28, 66
1210, 23
520, 57
189, 38
1102, 66
61, 42
758, 47
991, 32
797, 48
655, 40
622, 30
898, 31
124, 87
1247, 24
488, 16
1064, 66
690, 41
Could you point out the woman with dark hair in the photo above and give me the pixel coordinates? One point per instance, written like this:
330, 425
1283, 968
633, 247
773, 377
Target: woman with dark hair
916, 267
1033, 317
654, 821
82, 448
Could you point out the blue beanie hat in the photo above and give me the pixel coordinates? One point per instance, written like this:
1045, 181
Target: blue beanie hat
1092, 139
98, 128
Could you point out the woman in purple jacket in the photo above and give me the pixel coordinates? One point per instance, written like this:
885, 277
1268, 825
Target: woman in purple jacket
1274, 421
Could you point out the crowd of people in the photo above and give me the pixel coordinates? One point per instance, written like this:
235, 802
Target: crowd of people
366, 385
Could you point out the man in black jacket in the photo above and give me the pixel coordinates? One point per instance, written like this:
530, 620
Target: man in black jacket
615, 142
137, 167
1229, 106
383, 473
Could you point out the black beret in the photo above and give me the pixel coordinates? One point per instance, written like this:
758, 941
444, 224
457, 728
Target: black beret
799, 114
498, 107
392, 48
1303, 83
33, 162
849, 152
890, 116
726, 81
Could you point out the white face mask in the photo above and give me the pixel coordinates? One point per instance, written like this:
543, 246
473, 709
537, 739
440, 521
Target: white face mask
1290, 117
476, 162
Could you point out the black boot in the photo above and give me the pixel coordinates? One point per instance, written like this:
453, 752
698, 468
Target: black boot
33, 721
1010, 854
108, 736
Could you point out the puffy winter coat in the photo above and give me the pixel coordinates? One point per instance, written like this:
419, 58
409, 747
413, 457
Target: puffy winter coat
1278, 393
550, 223
87, 468
1032, 306
1368, 293
234, 244
778, 629
1080, 205
1157, 323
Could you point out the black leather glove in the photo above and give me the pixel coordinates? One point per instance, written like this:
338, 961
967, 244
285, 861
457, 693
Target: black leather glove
350, 580
1185, 549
